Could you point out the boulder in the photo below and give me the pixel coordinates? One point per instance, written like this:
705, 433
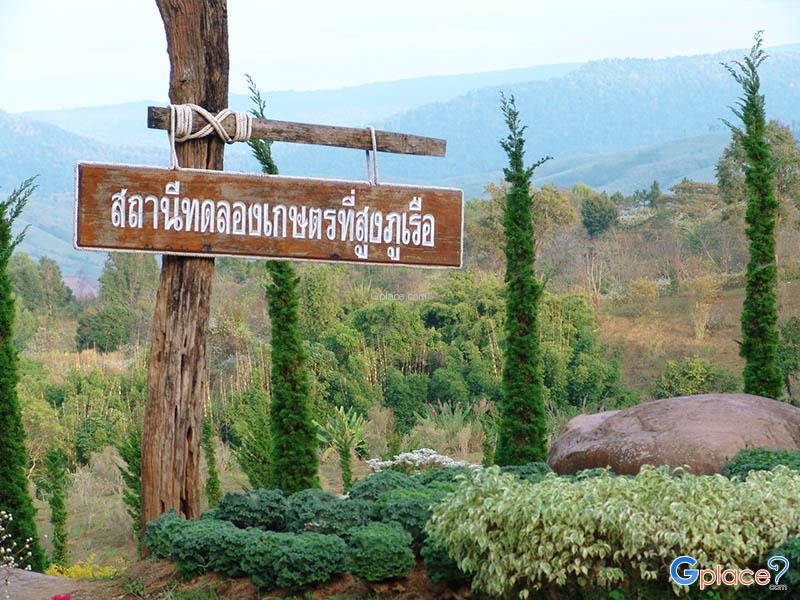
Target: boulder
700, 432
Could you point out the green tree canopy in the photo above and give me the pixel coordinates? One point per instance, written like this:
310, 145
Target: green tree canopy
759, 346
14, 497
523, 430
598, 211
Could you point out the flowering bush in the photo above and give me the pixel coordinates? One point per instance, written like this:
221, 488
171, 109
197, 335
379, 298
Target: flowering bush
12, 555
87, 569
417, 461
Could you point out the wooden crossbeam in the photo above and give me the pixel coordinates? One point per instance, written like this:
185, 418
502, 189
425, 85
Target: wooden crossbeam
324, 135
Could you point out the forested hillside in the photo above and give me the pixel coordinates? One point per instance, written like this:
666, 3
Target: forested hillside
615, 125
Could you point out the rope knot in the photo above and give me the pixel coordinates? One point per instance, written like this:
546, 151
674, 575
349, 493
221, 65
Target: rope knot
181, 120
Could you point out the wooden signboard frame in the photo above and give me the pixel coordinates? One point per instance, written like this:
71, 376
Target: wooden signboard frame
195, 212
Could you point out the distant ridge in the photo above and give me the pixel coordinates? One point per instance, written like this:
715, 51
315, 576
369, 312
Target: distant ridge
615, 124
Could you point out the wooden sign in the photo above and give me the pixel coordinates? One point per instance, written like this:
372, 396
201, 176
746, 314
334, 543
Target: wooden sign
215, 213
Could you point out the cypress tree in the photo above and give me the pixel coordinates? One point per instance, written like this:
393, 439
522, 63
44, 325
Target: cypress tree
255, 452
759, 345
294, 438
130, 449
293, 465
522, 431
213, 486
56, 475
14, 497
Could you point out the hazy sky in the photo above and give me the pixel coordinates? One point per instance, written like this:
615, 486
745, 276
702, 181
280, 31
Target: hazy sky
66, 53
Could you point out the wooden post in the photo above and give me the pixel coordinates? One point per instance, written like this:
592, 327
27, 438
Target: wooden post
177, 382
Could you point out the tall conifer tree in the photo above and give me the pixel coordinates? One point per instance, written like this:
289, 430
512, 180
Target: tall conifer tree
55, 469
14, 497
294, 437
759, 346
522, 433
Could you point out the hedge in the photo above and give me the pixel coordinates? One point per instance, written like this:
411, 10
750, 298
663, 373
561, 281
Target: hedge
411, 508
597, 532
381, 551
378, 483
760, 459
265, 509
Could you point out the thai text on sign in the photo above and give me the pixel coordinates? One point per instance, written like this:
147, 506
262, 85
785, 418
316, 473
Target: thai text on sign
209, 213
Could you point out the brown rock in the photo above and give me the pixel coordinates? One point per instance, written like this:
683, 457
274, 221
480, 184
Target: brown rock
700, 432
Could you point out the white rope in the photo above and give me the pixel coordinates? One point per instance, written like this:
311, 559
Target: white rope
181, 117
372, 174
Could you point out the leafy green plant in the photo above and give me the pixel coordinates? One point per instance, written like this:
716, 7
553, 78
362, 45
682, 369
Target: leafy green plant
265, 509
56, 474
522, 537
293, 460
532, 472
322, 512
213, 486
160, 532
760, 459
345, 432
14, 498
254, 449
692, 376
381, 551
372, 486
439, 567
759, 345
130, 449
791, 551
310, 558
303, 507
410, 507
195, 547
523, 428
446, 475
598, 214
259, 558
293, 561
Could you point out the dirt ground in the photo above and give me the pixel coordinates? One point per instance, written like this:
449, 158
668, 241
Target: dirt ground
156, 579
24, 585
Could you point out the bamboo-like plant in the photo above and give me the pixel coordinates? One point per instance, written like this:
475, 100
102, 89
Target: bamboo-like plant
345, 432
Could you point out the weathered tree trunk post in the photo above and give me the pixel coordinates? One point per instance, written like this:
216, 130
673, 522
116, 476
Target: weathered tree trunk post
177, 383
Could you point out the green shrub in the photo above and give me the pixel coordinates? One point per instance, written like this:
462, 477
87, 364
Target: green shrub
310, 558
259, 558
265, 509
195, 546
293, 561
339, 517
439, 567
791, 551
520, 537
447, 475
760, 459
380, 551
211, 513
303, 507
376, 484
533, 472
410, 508
160, 532
692, 376
226, 547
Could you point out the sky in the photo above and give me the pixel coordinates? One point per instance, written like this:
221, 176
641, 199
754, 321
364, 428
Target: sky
69, 53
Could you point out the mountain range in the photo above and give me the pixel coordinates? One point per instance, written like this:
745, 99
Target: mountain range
614, 124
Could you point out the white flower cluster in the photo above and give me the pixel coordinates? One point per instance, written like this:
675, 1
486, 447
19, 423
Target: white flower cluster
417, 461
11, 556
